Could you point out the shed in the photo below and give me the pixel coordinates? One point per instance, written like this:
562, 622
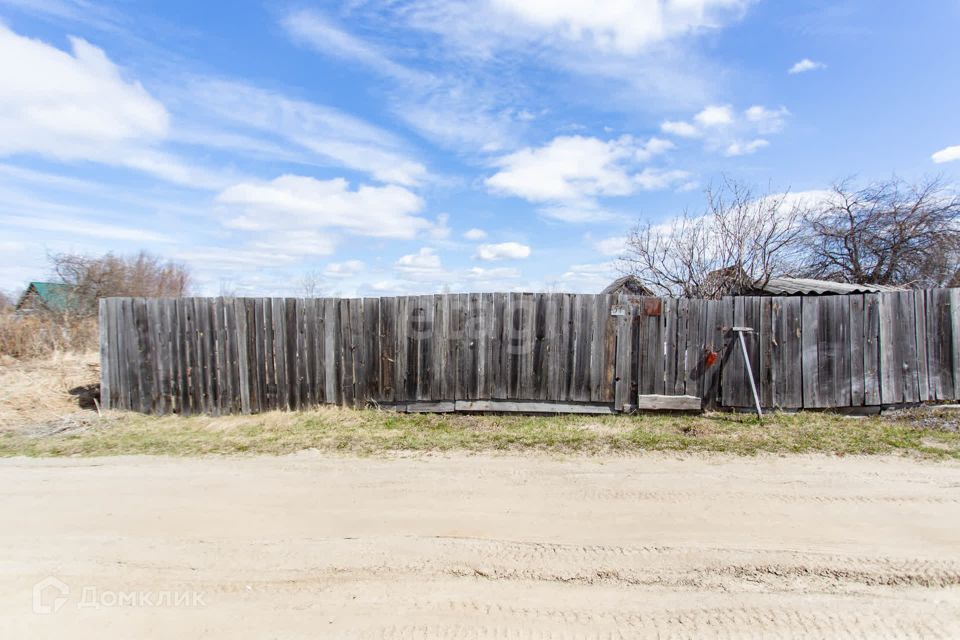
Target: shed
49, 296
628, 285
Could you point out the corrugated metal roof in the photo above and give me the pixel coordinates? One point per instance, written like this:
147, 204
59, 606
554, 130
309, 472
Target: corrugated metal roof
809, 286
56, 296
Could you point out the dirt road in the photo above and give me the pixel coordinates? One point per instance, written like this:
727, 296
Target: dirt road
480, 547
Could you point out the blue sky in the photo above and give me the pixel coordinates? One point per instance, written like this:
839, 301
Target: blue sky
414, 146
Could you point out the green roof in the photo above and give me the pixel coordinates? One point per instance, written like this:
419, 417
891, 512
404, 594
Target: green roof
55, 295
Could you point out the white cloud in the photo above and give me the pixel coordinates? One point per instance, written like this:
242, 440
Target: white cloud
343, 269
739, 148
805, 65
947, 154
580, 211
572, 168
733, 133
715, 116
70, 106
491, 275
475, 234
424, 262
303, 203
589, 278
766, 120
654, 179
619, 26
78, 105
680, 128
612, 246
503, 251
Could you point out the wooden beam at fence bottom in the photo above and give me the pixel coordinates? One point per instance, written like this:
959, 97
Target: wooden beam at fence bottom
427, 407
532, 407
667, 403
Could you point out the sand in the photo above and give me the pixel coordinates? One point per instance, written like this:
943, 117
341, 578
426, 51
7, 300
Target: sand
483, 546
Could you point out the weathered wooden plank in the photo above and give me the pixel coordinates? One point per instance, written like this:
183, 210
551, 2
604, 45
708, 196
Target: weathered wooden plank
183, 365
354, 350
714, 351
906, 341
218, 338
531, 406
670, 311
598, 348
308, 325
515, 343
668, 403
694, 349
569, 315
388, 349
403, 339
920, 326
833, 386
736, 391
857, 344
584, 336
938, 344
332, 358
487, 350
103, 326
429, 406
790, 359
256, 321
552, 348
438, 349
500, 346
871, 349
117, 377
371, 350
810, 313
242, 341
293, 351
269, 372
609, 361
624, 354
955, 339
452, 336
425, 366
280, 352
678, 346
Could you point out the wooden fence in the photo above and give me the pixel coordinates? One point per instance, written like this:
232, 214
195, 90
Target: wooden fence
546, 351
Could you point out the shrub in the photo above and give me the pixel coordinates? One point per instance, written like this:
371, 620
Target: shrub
40, 334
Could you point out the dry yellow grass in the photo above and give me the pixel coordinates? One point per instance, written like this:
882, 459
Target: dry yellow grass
39, 335
38, 389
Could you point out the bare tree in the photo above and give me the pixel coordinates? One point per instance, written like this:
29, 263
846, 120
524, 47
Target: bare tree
6, 302
739, 241
95, 277
888, 232
312, 284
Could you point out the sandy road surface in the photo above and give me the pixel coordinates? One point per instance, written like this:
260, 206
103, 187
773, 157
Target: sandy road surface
481, 547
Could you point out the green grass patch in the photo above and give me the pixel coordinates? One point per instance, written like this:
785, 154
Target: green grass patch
368, 432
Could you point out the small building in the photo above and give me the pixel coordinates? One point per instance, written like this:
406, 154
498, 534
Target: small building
628, 285
46, 296
812, 287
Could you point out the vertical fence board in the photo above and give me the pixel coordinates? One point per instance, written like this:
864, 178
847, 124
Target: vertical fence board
871, 349
810, 313
920, 324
